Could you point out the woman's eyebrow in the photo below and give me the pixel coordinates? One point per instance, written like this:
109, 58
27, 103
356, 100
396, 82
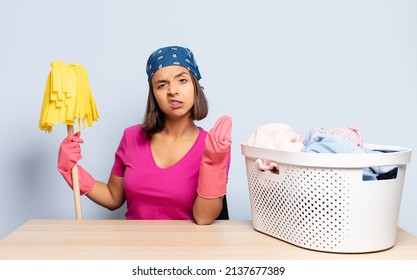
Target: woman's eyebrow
164, 80
161, 81
183, 73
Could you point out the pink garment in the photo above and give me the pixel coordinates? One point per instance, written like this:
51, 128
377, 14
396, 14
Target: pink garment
352, 132
276, 136
154, 193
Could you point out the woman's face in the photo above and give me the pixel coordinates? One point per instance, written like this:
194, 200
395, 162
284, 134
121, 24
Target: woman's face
173, 90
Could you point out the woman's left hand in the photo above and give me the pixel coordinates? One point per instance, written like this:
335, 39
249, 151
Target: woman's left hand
212, 179
219, 138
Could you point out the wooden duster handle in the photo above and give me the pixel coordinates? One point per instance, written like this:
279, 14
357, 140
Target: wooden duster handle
75, 183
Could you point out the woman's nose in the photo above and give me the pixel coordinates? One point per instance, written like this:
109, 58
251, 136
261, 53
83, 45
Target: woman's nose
172, 89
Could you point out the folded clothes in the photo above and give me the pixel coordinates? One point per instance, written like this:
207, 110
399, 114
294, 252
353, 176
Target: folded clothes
277, 136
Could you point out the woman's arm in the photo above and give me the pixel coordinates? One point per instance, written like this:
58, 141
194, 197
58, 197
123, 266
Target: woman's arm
206, 210
110, 196
213, 174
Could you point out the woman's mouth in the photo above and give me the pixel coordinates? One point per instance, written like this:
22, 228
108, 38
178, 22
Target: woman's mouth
175, 104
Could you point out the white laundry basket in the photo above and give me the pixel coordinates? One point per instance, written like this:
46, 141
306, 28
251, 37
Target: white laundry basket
319, 201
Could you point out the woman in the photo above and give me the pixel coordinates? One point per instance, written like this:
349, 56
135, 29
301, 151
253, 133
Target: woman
167, 167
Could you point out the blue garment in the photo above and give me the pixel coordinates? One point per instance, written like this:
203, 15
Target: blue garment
321, 142
173, 55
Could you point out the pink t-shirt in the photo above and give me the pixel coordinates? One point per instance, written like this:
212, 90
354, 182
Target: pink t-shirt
154, 193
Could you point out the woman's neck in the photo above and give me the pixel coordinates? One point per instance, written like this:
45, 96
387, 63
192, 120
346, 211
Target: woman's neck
179, 128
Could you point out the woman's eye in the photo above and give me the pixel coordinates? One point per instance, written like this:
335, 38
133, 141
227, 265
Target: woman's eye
182, 81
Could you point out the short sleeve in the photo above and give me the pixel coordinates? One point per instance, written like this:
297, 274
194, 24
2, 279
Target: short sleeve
119, 166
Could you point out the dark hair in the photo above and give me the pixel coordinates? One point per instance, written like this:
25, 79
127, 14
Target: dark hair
154, 119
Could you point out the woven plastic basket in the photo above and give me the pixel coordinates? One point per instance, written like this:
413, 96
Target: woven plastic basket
320, 201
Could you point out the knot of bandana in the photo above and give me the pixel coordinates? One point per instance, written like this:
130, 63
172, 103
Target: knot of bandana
173, 55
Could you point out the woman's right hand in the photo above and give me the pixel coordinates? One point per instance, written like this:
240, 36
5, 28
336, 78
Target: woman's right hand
68, 156
69, 152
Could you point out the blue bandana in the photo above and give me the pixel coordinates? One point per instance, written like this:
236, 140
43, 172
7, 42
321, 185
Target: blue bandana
173, 55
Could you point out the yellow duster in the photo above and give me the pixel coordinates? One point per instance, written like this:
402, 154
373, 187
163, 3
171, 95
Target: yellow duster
67, 97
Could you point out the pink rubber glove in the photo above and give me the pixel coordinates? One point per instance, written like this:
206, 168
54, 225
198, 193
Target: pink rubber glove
214, 167
69, 154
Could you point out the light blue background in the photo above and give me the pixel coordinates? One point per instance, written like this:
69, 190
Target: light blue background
305, 63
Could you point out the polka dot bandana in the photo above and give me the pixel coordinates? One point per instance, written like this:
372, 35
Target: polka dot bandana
173, 55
